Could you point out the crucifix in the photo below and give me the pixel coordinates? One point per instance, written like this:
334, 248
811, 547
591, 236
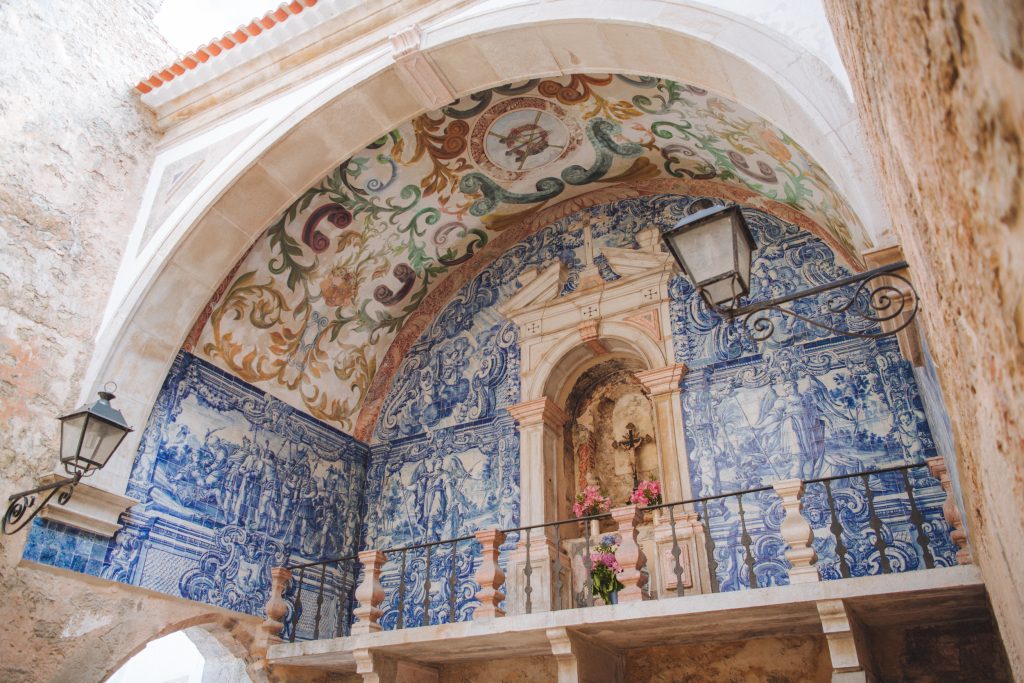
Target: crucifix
632, 441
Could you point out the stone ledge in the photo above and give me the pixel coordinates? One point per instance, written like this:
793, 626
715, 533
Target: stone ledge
91, 509
943, 594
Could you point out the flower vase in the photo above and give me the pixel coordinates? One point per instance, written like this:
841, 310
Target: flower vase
656, 516
595, 528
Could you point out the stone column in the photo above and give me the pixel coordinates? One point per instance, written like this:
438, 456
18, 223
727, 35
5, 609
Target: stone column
938, 468
541, 423
540, 450
369, 593
629, 555
663, 386
797, 533
489, 575
270, 629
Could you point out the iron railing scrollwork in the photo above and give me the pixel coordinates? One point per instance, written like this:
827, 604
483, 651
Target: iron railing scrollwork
24, 506
731, 524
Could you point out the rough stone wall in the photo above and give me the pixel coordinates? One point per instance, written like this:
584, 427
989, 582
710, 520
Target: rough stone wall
777, 660
75, 151
501, 671
940, 88
965, 651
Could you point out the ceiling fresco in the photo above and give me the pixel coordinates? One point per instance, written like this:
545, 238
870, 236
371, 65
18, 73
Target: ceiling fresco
310, 312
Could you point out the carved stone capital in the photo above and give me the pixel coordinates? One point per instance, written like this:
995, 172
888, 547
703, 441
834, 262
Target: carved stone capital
662, 380
539, 411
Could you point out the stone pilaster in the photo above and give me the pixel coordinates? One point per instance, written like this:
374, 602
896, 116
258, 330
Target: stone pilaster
662, 384
540, 449
910, 338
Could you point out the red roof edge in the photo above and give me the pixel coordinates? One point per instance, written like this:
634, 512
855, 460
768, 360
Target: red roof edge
218, 46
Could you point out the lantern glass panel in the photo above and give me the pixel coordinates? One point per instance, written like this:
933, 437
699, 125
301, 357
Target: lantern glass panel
744, 251
706, 249
101, 439
723, 291
71, 428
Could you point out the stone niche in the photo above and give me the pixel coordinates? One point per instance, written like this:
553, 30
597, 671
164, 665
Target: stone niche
600, 397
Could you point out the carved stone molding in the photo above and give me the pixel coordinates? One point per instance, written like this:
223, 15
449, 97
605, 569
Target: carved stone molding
847, 642
589, 335
662, 380
797, 533
539, 411
91, 509
938, 468
419, 74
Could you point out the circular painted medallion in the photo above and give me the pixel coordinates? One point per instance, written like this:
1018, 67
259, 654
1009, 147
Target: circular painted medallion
522, 134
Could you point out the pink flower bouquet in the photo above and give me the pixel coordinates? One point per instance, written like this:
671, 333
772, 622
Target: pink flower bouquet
647, 493
604, 567
591, 502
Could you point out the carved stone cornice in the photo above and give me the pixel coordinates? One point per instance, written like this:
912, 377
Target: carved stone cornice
539, 411
662, 380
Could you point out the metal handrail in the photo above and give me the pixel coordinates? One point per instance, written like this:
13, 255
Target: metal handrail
607, 515
881, 470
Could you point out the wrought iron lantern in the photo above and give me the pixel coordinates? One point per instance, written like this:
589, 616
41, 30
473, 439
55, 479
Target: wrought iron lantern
715, 249
88, 437
721, 275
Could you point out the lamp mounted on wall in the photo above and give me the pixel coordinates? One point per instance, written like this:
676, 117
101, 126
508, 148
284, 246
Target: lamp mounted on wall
715, 249
88, 437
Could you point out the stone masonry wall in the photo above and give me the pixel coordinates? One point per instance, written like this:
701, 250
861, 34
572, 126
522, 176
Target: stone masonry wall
75, 151
940, 87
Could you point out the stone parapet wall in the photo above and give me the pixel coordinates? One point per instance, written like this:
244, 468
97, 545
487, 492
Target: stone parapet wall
940, 87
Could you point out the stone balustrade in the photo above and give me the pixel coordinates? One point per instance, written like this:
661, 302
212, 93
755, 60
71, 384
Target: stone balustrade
680, 531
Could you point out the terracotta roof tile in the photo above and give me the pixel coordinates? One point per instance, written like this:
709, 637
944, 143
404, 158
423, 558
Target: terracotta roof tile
217, 46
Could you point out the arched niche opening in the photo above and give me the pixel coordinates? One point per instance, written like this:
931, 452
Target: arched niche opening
609, 438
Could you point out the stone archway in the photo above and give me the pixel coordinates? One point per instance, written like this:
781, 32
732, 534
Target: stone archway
155, 303
218, 639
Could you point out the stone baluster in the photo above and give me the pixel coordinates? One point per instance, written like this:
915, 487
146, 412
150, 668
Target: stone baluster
270, 629
629, 555
797, 533
489, 575
938, 468
369, 593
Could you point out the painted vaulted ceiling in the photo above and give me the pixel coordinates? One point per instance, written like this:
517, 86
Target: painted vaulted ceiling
311, 312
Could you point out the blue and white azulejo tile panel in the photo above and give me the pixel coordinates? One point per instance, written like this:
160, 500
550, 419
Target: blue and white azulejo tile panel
231, 482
